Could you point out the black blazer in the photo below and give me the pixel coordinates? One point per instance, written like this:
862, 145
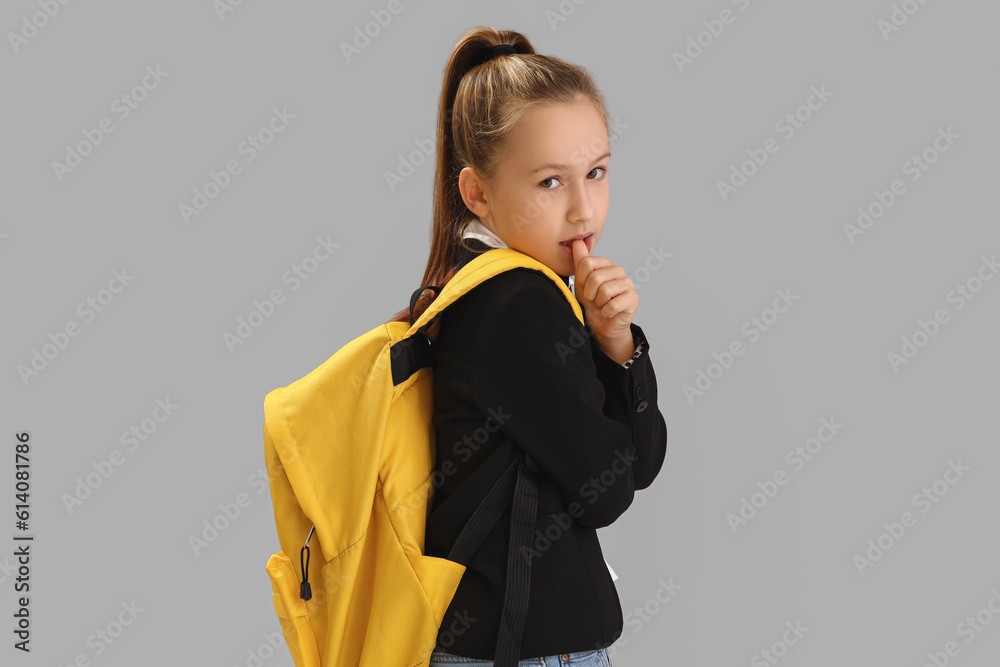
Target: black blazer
514, 370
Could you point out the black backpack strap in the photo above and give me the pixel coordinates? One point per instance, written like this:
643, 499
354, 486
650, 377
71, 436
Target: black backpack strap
524, 497
416, 295
515, 599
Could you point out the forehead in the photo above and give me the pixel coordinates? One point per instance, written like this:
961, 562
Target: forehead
571, 134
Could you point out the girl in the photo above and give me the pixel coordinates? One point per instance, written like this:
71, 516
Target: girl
522, 161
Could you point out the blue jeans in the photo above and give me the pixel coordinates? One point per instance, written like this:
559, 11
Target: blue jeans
594, 658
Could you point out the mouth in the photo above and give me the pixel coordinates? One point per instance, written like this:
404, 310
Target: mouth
588, 238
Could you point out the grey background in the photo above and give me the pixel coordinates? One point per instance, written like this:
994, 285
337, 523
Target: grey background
324, 176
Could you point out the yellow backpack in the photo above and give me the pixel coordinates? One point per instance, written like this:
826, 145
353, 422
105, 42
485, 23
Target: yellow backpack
350, 451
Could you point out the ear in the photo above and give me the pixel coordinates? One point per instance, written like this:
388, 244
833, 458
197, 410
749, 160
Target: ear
475, 191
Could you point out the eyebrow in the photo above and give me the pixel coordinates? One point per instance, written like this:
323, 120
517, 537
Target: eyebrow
563, 166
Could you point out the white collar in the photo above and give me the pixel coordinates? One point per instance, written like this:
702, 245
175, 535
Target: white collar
477, 230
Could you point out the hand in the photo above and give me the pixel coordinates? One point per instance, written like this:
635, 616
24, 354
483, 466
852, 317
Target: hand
607, 296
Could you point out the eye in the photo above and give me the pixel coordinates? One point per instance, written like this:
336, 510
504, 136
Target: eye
604, 171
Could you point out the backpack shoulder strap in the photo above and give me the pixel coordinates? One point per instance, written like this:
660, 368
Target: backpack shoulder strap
480, 269
412, 351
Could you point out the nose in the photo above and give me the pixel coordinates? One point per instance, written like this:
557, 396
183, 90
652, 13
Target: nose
580, 208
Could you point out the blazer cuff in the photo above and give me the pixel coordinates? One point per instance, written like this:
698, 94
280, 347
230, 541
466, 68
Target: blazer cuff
625, 383
631, 399
638, 340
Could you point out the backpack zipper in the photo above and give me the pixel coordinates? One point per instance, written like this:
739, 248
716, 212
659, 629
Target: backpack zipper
305, 590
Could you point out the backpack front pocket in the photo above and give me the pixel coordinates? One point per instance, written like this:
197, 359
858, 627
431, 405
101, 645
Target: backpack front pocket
292, 611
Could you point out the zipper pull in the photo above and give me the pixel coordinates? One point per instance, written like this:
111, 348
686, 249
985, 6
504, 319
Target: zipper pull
305, 590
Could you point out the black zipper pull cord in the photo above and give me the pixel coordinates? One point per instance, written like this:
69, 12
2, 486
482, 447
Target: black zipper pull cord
305, 590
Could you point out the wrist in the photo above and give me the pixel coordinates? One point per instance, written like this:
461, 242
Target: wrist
619, 349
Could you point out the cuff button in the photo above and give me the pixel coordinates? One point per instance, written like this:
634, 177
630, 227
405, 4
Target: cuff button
641, 406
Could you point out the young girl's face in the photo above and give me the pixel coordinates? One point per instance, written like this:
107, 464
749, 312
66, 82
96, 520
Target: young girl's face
552, 184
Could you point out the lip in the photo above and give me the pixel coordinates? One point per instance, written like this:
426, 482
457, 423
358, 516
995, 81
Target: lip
588, 238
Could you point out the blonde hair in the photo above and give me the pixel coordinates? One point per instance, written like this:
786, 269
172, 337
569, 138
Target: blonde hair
480, 104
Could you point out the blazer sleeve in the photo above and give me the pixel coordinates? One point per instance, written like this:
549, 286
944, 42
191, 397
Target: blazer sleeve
537, 369
631, 399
